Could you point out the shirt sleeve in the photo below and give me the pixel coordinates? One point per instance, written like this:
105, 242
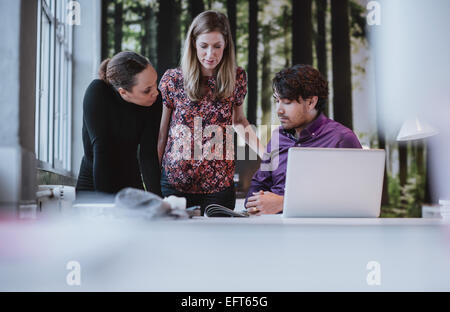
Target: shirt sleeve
94, 110
148, 152
262, 179
349, 140
167, 89
240, 91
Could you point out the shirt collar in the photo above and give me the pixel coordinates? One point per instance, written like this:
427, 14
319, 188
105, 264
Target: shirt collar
210, 80
310, 130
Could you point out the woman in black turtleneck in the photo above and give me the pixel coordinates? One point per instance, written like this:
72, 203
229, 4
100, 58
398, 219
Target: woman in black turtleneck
121, 117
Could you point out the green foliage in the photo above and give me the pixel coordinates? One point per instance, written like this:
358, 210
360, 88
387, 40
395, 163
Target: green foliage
405, 201
394, 190
392, 210
133, 26
412, 195
357, 20
241, 33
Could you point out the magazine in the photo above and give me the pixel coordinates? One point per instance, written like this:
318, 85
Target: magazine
215, 210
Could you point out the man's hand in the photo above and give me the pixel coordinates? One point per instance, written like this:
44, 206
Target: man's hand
265, 203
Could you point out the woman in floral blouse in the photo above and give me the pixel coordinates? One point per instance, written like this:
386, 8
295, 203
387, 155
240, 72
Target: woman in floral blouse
202, 102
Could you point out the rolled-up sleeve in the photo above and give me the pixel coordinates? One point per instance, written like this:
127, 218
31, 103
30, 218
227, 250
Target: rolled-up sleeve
262, 179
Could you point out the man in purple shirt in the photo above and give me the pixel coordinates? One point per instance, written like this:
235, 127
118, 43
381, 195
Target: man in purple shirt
301, 94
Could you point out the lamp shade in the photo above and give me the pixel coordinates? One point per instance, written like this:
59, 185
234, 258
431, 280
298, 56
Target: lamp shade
414, 129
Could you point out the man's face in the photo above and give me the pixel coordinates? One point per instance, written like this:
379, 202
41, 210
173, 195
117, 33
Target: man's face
295, 114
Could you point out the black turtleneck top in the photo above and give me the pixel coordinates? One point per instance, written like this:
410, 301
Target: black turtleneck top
120, 142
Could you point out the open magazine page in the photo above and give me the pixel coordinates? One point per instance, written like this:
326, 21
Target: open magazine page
215, 210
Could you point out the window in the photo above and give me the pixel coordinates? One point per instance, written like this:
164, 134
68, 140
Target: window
54, 86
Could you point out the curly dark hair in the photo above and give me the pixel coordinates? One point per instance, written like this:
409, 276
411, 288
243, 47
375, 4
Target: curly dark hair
301, 81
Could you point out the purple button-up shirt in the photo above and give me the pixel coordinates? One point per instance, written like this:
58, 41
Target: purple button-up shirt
322, 132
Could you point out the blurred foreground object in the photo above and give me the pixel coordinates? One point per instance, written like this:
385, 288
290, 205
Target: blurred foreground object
131, 202
54, 198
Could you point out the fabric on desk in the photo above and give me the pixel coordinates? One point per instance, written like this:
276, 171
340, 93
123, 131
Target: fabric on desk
136, 203
322, 132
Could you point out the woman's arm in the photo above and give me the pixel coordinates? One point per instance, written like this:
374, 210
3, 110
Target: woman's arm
97, 126
240, 124
163, 132
148, 159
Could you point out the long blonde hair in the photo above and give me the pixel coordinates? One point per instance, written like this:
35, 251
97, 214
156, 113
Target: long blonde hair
206, 22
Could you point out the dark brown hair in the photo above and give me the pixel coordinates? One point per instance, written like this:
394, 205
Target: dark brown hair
120, 71
301, 80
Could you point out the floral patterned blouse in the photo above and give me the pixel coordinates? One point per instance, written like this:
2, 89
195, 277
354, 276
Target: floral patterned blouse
208, 167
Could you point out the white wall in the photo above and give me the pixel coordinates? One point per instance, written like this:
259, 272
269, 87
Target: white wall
17, 100
413, 74
87, 54
9, 67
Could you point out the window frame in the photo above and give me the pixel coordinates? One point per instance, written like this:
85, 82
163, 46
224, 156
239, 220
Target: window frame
53, 129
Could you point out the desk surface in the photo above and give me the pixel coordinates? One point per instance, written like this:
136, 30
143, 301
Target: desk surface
265, 253
280, 220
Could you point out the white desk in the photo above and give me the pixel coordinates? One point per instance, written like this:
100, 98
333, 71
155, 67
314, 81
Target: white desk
254, 254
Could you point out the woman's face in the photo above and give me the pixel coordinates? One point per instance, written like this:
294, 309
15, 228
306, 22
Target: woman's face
145, 92
209, 48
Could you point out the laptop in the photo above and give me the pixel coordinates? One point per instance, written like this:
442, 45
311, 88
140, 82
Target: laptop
333, 182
